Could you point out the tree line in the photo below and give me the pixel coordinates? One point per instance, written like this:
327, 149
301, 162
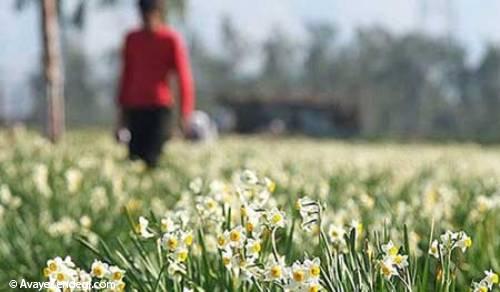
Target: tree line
408, 85
411, 86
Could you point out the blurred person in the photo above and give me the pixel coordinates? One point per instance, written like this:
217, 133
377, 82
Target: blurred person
151, 55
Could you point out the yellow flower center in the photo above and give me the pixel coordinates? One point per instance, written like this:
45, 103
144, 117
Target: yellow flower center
494, 279
393, 251
226, 261
235, 235
315, 271
221, 240
314, 288
386, 270
276, 271
53, 267
172, 243
249, 227
164, 226
188, 240
117, 276
483, 289
121, 286
298, 276
398, 259
98, 271
60, 277
276, 218
468, 242
210, 204
271, 187
256, 247
182, 256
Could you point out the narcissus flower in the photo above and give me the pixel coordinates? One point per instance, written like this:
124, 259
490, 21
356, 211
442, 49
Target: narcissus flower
491, 278
170, 241
487, 283
73, 179
299, 273
237, 236
227, 258
276, 269
142, 228
358, 226
401, 261
392, 261
464, 241
249, 177
270, 185
451, 240
434, 249
167, 225
253, 248
336, 234
99, 269
313, 267
181, 254
276, 218
390, 249
223, 240
115, 273
387, 268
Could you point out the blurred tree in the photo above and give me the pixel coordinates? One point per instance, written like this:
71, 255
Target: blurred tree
224, 67
366, 59
280, 64
406, 83
488, 84
235, 46
220, 73
82, 95
52, 69
319, 58
207, 70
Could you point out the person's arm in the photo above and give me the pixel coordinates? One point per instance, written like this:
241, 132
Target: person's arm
185, 80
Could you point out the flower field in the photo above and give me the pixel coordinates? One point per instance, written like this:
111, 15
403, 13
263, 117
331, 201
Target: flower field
250, 214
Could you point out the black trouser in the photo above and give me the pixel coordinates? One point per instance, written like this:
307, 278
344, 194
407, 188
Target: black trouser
149, 129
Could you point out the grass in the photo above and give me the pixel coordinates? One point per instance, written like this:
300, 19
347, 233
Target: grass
82, 198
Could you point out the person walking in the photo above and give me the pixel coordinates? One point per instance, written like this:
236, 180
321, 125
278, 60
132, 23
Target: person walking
152, 55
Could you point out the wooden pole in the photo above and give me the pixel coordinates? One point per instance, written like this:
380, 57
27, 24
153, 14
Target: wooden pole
52, 70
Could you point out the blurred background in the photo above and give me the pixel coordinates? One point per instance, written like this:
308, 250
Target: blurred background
397, 69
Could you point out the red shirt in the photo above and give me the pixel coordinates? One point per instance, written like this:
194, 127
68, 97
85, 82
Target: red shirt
149, 59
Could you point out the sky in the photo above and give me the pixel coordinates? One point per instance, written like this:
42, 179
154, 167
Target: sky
473, 25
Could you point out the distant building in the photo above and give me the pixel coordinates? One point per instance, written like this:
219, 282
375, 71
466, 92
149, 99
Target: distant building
293, 115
